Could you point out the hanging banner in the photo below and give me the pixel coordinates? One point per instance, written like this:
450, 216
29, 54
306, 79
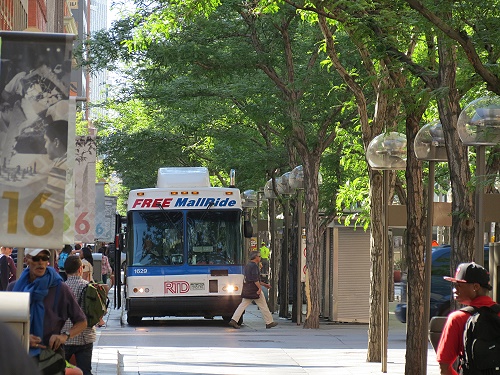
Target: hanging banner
110, 219
35, 71
105, 215
84, 173
69, 203
99, 208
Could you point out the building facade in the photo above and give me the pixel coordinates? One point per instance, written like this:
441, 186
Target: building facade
37, 16
13, 15
98, 80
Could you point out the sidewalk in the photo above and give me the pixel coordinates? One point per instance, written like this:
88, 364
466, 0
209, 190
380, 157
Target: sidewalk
197, 346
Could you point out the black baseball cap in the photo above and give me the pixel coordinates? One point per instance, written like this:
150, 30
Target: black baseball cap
471, 273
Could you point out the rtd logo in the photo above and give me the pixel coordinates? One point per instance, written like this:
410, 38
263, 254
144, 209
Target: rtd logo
149, 203
176, 287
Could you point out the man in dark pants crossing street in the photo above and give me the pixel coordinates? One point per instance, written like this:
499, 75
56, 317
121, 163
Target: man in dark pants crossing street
252, 275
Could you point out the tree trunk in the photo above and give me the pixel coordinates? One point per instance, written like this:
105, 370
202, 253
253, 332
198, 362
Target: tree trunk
376, 233
312, 289
383, 115
416, 235
462, 206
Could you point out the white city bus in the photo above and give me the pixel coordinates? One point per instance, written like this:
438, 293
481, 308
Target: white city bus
184, 247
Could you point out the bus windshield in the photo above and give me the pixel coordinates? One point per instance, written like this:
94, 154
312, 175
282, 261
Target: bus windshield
156, 238
214, 237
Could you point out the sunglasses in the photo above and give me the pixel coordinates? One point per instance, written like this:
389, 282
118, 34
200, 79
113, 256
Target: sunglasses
38, 258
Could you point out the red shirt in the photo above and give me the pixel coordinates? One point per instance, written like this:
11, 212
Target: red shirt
451, 344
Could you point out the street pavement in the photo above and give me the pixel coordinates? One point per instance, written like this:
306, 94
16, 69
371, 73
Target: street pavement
198, 346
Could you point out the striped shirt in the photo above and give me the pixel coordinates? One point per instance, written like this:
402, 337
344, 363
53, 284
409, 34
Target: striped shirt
77, 284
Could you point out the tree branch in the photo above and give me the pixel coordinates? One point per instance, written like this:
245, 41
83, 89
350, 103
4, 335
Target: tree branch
492, 81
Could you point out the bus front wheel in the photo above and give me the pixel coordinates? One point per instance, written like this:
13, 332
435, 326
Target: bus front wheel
134, 320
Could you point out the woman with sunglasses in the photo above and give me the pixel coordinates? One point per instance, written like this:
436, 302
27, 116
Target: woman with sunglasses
51, 304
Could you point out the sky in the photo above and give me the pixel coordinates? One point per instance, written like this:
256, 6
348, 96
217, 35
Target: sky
115, 7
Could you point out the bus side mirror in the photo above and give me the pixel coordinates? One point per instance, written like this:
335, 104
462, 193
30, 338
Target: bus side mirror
247, 229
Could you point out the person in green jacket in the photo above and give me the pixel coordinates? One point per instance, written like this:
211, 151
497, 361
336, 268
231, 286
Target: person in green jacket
265, 253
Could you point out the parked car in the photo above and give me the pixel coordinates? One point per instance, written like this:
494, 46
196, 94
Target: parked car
441, 290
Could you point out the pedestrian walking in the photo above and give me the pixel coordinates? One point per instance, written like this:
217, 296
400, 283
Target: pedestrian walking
265, 253
51, 304
471, 287
88, 263
8, 268
63, 255
252, 291
81, 345
106, 269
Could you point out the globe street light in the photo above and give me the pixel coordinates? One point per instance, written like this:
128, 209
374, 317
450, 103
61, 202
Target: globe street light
386, 152
249, 199
479, 125
268, 189
429, 145
296, 178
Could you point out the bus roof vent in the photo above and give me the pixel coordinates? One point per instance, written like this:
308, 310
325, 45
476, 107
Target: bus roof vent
177, 177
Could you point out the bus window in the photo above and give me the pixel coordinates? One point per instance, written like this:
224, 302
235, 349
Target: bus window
214, 237
156, 238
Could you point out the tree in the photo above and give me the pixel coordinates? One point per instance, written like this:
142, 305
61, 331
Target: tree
240, 68
381, 32
385, 47
474, 27
449, 108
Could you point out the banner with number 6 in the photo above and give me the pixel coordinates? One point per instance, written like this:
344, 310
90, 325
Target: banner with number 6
85, 189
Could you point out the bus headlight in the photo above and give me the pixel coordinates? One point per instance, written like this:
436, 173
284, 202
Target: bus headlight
230, 288
141, 290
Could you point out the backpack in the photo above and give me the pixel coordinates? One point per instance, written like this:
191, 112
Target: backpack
62, 259
481, 341
94, 302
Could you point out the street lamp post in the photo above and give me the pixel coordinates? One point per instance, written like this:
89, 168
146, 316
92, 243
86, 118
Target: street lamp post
386, 152
429, 145
296, 182
291, 182
285, 253
479, 125
271, 198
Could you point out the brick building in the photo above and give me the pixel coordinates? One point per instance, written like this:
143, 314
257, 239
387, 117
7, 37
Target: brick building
37, 15
13, 14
